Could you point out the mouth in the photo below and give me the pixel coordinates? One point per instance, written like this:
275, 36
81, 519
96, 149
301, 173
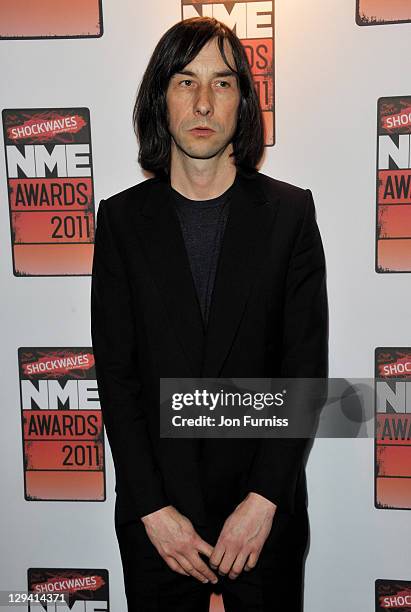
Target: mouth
202, 131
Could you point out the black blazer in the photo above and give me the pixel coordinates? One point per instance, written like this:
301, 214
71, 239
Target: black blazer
268, 318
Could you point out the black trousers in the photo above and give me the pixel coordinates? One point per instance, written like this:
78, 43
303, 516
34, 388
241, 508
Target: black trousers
275, 583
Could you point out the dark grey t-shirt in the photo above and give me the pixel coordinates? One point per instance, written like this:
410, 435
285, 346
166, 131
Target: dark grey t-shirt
202, 224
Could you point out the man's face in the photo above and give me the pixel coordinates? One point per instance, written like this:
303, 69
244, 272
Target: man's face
204, 94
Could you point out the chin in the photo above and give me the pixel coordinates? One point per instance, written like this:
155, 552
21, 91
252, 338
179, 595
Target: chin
203, 150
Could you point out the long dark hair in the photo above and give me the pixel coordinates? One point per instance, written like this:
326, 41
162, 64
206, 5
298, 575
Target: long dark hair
177, 48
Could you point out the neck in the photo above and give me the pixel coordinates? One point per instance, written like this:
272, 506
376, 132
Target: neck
198, 179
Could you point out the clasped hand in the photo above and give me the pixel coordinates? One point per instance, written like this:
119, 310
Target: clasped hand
238, 546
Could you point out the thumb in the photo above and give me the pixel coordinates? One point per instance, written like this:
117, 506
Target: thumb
204, 547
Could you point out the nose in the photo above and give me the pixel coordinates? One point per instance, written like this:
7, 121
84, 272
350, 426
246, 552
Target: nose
203, 104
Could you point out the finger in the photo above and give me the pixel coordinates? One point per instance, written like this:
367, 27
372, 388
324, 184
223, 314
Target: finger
172, 563
238, 565
189, 567
217, 555
227, 562
204, 547
252, 561
203, 568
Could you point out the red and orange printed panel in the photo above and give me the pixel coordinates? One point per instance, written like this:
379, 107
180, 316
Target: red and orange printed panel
253, 23
63, 436
51, 192
51, 19
380, 12
392, 595
83, 589
393, 428
393, 214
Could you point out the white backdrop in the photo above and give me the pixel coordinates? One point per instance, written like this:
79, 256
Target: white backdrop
329, 74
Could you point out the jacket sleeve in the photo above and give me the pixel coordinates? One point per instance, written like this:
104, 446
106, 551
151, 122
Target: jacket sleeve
277, 465
114, 345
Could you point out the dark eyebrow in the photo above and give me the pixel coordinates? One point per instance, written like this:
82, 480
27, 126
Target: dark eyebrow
221, 73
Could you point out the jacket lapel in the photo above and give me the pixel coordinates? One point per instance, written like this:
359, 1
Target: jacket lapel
164, 246
248, 226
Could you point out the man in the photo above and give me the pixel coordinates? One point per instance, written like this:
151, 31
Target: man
213, 269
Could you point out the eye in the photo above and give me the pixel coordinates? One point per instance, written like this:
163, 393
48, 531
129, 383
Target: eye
225, 83
186, 81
